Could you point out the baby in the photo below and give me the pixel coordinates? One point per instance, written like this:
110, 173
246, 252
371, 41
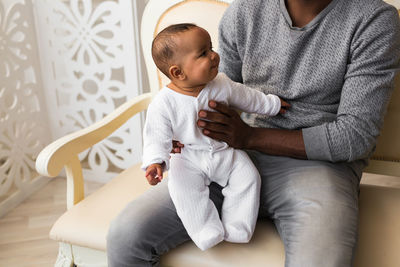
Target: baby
184, 53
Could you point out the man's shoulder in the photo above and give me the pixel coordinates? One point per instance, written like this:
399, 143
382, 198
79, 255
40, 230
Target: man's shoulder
366, 8
371, 17
368, 4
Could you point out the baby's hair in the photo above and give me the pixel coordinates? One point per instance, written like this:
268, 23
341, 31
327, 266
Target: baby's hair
163, 47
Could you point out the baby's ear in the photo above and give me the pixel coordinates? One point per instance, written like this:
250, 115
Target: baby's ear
176, 73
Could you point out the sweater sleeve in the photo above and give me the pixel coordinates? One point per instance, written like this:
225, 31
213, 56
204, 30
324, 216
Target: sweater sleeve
231, 63
157, 136
368, 84
250, 100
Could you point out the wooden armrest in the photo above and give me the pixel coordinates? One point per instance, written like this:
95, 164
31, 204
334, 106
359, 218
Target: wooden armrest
64, 151
56, 155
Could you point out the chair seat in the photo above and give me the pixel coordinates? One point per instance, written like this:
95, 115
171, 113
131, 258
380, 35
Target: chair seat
86, 225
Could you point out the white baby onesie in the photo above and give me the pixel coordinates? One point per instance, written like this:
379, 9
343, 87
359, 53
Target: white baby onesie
173, 116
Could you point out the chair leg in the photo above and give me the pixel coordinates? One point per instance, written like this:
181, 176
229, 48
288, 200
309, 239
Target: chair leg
64, 258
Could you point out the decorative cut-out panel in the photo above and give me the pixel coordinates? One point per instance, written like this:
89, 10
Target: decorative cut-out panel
89, 55
23, 123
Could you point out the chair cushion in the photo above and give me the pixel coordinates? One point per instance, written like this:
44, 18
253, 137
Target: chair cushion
264, 250
379, 226
86, 224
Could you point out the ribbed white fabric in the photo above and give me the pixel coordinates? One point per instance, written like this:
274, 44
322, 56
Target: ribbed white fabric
188, 182
173, 116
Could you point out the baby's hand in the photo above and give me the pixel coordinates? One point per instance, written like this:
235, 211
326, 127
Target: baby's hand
154, 173
284, 106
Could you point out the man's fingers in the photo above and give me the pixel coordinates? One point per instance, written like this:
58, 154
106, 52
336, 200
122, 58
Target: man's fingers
176, 150
177, 144
215, 135
214, 127
224, 109
213, 116
285, 104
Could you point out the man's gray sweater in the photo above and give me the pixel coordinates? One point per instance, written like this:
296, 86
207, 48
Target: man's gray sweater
337, 72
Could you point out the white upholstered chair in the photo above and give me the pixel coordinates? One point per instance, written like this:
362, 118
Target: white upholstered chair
81, 231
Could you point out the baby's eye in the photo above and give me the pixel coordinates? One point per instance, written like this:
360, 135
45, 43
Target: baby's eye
203, 54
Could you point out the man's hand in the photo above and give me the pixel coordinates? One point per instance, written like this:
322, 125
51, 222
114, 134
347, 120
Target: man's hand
154, 173
176, 146
224, 125
284, 106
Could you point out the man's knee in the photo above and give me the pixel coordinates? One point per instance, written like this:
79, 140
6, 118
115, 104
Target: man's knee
319, 223
324, 205
320, 234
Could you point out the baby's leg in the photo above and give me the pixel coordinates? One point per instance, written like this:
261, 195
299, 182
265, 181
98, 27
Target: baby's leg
189, 191
241, 202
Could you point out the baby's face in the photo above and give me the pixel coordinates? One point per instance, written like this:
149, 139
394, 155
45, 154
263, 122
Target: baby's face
198, 61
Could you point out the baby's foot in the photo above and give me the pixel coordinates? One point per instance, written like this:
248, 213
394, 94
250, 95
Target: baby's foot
236, 234
208, 237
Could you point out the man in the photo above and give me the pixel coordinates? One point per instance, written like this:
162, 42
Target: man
334, 61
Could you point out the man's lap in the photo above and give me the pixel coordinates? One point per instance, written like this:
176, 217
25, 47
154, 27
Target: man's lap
300, 195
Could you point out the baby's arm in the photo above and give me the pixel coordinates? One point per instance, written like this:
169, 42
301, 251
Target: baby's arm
252, 101
157, 142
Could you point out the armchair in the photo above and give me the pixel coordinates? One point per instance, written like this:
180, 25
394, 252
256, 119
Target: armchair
81, 230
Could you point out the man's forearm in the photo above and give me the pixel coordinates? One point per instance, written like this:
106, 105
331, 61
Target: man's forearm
277, 142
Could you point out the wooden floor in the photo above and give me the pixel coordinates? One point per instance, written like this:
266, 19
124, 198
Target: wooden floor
24, 231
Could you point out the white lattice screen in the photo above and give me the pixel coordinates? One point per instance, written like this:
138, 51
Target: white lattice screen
89, 53
23, 127
65, 64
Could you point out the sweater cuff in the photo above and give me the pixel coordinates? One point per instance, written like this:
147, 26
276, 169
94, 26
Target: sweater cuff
316, 143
